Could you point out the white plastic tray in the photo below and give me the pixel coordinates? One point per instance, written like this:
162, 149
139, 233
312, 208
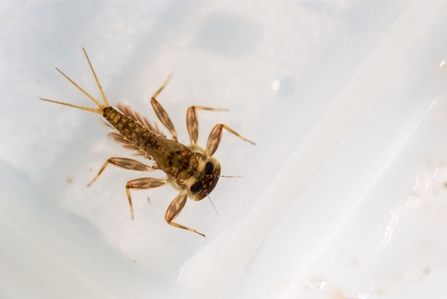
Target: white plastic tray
343, 197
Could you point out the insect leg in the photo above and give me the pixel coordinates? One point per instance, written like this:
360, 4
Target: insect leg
123, 163
142, 183
216, 136
192, 124
161, 112
174, 210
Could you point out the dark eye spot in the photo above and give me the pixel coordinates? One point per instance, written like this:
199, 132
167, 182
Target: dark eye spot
196, 187
209, 168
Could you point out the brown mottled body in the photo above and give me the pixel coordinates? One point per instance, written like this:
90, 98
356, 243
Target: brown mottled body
131, 130
178, 161
189, 169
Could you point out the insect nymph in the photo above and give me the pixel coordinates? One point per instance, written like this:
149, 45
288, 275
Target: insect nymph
191, 170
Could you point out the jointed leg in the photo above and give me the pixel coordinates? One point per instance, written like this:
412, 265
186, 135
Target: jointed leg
125, 163
192, 123
174, 210
142, 183
161, 112
216, 136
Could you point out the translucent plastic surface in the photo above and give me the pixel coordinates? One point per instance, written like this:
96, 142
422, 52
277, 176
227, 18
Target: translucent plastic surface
342, 197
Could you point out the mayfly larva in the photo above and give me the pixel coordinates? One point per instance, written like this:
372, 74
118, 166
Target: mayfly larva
189, 169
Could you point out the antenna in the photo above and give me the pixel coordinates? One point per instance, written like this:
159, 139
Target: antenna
212, 205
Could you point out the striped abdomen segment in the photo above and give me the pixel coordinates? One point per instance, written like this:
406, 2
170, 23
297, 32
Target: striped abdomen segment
134, 132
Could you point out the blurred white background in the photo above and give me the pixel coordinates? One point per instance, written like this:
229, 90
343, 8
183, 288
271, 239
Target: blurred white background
344, 195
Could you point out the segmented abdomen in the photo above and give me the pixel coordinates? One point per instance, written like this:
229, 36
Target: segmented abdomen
134, 132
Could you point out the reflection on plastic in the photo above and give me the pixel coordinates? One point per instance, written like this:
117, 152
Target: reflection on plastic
389, 229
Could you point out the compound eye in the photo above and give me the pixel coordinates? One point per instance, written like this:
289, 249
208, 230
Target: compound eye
196, 187
209, 168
